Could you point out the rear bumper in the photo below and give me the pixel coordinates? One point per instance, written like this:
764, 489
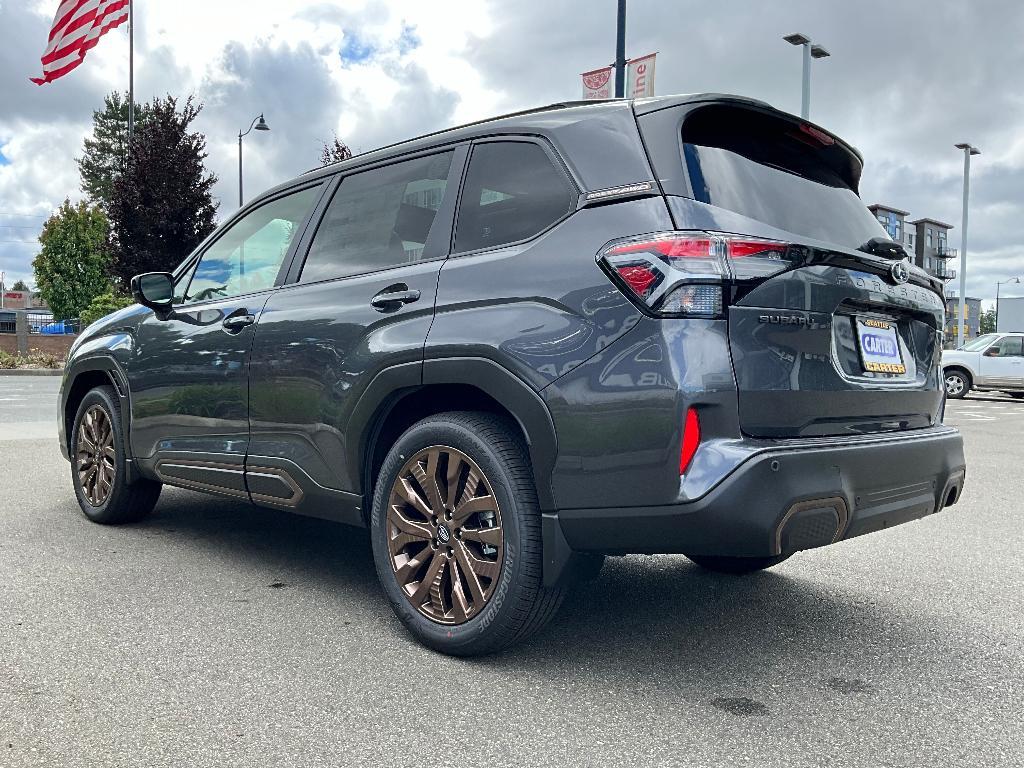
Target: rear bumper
781, 500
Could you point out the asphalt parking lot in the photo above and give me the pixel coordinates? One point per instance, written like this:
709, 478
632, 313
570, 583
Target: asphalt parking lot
218, 634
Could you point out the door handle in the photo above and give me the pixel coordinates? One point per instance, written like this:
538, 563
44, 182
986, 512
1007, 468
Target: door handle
393, 297
235, 323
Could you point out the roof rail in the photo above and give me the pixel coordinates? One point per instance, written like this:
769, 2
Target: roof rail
520, 113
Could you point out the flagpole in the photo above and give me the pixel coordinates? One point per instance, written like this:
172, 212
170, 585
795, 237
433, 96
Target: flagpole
131, 69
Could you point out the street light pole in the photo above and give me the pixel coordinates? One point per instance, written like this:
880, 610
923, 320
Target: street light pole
805, 92
810, 51
259, 124
620, 51
999, 283
968, 151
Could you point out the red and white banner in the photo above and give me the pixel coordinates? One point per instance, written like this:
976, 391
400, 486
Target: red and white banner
77, 27
640, 77
597, 84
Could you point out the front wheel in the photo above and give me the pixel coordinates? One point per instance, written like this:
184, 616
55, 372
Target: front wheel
736, 565
98, 470
956, 384
456, 532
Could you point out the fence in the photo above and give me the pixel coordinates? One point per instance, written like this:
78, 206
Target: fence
43, 322
25, 330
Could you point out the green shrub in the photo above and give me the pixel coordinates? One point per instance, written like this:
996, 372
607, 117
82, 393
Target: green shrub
103, 305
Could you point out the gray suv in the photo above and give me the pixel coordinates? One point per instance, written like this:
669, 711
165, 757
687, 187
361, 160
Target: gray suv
512, 348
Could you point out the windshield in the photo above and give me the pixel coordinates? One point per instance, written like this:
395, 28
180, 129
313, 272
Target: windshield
978, 344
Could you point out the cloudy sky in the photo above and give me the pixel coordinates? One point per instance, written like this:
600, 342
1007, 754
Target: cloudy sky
905, 82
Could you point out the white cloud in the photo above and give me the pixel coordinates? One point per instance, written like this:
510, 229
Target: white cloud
240, 58
905, 81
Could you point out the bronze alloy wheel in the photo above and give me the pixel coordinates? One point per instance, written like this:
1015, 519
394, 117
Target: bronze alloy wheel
444, 535
95, 455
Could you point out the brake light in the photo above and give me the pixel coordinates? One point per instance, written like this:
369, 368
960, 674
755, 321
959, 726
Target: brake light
821, 136
691, 439
683, 273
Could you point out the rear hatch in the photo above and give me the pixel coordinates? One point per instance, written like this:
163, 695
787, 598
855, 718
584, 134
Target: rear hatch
832, 330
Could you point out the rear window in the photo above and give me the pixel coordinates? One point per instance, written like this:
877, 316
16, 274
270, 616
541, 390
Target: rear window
777, 171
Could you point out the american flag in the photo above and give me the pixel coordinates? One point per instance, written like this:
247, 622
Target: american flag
77, 27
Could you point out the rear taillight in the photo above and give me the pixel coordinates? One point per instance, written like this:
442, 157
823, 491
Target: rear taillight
684, 273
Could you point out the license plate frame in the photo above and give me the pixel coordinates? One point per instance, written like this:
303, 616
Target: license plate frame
878, 344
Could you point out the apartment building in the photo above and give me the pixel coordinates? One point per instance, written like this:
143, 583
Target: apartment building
926, 240
972, 319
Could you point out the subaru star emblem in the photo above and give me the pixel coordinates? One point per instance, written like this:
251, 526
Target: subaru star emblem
900, 272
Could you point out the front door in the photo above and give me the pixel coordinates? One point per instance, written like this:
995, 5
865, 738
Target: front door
189, 378
1002, 364
361, 301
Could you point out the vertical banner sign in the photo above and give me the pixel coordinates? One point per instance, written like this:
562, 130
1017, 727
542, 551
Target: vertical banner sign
640, 77
597, 84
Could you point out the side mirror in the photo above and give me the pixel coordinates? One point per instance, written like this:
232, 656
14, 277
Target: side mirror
992, 352
154, 290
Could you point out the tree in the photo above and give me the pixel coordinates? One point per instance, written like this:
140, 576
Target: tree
105, 154
71, 268
334, 151
103, 305
987, 321
20, 285
162, 206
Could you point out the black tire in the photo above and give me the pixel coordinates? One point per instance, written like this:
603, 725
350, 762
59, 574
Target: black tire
122, 502
956, 382
736, 565
519, 604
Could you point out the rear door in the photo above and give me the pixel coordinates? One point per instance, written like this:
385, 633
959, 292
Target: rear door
360, 300
826, 339
1002, 364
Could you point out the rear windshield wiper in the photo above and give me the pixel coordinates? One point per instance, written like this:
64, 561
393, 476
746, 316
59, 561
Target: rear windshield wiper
884, 247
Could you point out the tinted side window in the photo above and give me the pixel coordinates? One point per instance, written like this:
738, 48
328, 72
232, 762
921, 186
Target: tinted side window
248, 256
378, 219
513, 191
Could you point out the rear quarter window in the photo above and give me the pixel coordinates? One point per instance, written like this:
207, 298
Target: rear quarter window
513, 191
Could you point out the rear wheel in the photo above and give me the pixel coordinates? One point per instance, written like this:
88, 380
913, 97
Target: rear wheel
98, 464
736, 565
456, 533
957, 384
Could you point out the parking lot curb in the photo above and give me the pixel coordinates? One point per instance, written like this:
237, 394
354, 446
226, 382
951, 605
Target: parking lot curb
31, 371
